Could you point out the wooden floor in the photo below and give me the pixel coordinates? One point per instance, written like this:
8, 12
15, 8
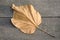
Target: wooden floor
50, 11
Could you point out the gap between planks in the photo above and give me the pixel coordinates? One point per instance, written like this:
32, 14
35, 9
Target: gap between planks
42, 17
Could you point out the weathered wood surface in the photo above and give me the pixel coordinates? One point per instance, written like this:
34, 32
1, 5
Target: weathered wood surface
45, 7
9, 32
50, 11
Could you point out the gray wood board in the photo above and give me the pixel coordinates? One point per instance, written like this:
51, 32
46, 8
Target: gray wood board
50, 11
10, 32
45, 7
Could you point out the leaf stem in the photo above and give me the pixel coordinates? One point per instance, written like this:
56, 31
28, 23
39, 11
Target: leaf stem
45, 32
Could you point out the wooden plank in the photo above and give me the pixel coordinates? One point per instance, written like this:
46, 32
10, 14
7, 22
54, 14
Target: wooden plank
45, 7
5, 11
9, 32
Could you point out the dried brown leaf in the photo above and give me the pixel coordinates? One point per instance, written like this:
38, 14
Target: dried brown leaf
26, 18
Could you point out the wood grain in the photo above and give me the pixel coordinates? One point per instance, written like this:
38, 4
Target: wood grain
8, 31
45, 7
